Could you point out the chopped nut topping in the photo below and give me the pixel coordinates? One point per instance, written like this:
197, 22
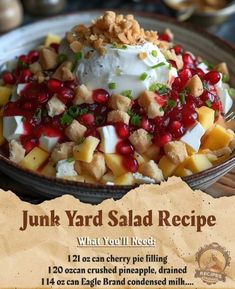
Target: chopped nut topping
107, 29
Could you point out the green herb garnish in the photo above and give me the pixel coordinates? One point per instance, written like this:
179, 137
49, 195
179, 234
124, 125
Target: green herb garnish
66, 119
225, 78
78, 56
158, 65
22, 64
114, 45
154, 53
62, 58
208, 64
208, 103
81, 140
231, 91
143, 76
159, 87
183, 94
171, 103
112, 85
127, 93
135, 120
124, 46
70, 160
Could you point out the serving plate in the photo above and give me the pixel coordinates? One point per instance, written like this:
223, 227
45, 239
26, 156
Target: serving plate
28, 37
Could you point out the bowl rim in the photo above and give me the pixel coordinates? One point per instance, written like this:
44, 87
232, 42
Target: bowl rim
162, 18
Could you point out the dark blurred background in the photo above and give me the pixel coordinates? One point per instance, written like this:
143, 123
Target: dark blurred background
220, 21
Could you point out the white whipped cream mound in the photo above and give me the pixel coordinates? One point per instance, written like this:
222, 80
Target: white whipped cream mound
123, 68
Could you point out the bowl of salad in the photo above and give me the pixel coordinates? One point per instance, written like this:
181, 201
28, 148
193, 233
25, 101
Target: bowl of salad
108, 101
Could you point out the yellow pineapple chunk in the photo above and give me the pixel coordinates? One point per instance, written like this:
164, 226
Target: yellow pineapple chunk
85, 151
198, 163
52, 38
206, 117
115, 163
182, 172
5, 93
49, 170
126, 180
75, 178
34, 159
217, 138
2, 140
167, 166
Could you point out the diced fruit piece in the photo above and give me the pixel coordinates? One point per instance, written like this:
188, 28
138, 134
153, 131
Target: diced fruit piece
13, 127
49, 170
198, 163
34, 159
48, 58
55, 106
118, 116
96, 168
80, 179
167, 166
125, 180
85, 151
82, 95
151, 104
176, 151
75, 131
120, 102
2, 140
141, 140
152, 152
217, 138
195, 86
115, 163
206, 117
5, 93
182, 172
48, 143
151, 169
52, 38
62, 151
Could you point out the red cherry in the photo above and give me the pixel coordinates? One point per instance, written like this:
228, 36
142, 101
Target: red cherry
178, 49
33, 55
122, 130
24, 58
175, 125
8, 78
188, 60
25, 75
165, 37
185, 75
124, 148
163, 139
189, 118
54, 85
65, 94
87, 119
100, 96
212, 77
130, 164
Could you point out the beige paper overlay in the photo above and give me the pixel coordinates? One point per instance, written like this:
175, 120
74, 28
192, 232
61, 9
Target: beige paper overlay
25, 256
